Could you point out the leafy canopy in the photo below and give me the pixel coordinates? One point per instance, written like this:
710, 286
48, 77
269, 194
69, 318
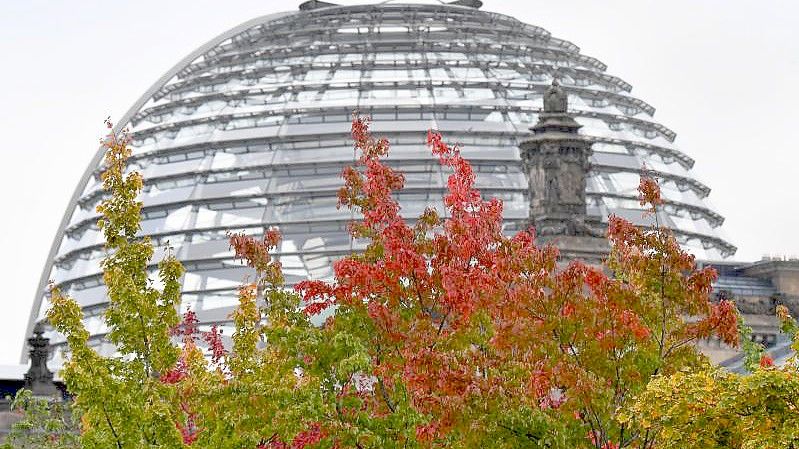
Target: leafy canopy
444, 332
712, 408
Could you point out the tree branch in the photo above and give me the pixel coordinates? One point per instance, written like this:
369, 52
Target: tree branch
111, 426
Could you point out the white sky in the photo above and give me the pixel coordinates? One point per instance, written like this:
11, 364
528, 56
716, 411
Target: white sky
721, 73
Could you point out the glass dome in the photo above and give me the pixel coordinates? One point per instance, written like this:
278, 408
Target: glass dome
251, 130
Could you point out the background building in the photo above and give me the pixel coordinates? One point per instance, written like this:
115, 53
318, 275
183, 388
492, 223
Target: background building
757, 288
251, 131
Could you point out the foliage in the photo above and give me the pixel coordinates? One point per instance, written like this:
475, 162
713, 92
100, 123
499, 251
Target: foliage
472, 338
161, 390
444, 332
120, 400
712, 408
253, 395
43, 422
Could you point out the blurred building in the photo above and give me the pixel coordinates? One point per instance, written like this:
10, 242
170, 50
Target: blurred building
757, 289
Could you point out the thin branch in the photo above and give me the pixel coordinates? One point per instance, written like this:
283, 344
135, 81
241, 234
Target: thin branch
111, 425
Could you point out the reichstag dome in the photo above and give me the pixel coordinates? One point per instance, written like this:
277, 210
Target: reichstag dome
251, 130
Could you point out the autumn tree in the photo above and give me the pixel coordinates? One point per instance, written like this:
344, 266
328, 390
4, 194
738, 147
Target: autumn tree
467, 337
254, 394
119, 399
444, 332
714, 408
171, 384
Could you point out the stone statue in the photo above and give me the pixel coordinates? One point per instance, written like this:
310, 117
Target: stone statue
555, 99
39, 379
553, 190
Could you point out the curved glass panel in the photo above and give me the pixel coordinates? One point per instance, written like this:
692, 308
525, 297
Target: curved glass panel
252, 131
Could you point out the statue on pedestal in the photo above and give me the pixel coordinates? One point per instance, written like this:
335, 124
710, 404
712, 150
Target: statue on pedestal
555, 99
39, 379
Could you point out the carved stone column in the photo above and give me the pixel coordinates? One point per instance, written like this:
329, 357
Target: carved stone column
39, 379
556, 161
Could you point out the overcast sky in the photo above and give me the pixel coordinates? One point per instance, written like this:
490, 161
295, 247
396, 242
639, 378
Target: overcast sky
721, 73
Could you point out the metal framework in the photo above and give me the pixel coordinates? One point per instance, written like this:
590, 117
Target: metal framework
250, 131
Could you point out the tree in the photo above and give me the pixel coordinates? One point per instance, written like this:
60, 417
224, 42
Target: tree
120, 401
255, 394
160, 390
713, 408
471, 337
445, 332
43, 422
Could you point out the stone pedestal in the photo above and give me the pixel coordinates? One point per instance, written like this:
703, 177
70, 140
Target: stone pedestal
592, 250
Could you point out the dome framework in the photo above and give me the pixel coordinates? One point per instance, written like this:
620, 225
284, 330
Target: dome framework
251, 131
